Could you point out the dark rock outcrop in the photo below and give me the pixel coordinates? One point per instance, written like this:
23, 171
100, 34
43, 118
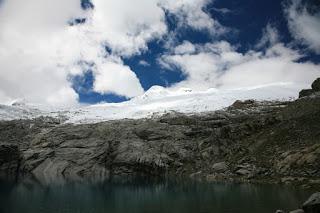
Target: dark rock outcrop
312, 205
315, 89
243, 104
9, 160
316, 85
305, 92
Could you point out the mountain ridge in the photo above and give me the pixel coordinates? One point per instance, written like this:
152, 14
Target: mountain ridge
156, 101
249, 141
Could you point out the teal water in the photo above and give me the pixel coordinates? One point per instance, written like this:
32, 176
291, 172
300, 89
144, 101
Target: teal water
145, 197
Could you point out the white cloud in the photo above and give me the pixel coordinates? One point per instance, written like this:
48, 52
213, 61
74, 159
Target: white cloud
4, 98
144, 63
304, 27
203, 65
270, 36
30, 39
39, 51
37, 16
113, 76
222, 10
192, 13
220, 65
185, 47
200, 69
126, 26
269, 70
63, 97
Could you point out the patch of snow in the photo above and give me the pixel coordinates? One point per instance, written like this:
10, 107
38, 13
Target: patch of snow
157, 100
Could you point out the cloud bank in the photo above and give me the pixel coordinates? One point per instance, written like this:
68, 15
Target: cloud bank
219, 64
44, 43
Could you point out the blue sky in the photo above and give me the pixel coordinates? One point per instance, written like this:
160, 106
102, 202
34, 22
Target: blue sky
111, 51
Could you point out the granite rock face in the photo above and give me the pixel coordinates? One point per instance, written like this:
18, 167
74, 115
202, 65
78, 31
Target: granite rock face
249, 141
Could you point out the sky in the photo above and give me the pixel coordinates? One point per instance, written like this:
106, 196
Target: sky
71, 52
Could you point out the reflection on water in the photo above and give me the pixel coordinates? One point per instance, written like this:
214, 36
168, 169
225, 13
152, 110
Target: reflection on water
141, 196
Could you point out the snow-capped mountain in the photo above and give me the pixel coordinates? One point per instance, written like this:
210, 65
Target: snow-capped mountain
157, 100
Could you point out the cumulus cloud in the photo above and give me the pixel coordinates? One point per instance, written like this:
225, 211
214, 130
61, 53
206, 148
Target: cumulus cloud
112, 76
192, 13
219, 64
42, 44
202, 66
184, 48
30, 36
125, 26
304, 26
268, 70
39, 51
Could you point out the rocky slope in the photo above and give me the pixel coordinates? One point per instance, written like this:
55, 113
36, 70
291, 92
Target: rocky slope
276, 142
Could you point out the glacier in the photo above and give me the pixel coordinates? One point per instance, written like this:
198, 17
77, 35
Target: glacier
154, 102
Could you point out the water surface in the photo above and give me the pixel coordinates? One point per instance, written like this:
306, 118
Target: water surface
142, 196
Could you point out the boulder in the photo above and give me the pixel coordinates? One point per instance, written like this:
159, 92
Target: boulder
246, 170
316, 85
312, 205
305, 92
243, 104
220, 167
